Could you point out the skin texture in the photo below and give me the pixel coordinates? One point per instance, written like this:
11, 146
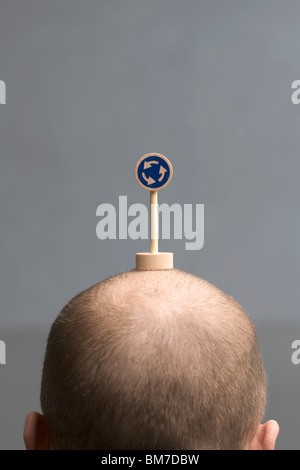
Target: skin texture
168, 328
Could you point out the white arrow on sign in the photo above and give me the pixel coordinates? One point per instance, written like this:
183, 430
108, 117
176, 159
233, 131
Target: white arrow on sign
148, 164
149, 179
162, 172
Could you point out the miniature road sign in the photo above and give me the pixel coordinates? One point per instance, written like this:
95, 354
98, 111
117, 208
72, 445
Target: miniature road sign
153, 171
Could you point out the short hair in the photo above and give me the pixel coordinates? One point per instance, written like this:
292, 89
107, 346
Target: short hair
152, 360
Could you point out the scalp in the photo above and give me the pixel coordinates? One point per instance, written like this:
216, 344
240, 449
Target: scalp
153, 358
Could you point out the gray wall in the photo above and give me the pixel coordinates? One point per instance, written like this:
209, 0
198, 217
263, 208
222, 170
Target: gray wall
92, 86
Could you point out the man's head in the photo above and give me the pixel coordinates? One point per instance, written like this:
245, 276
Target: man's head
151, 360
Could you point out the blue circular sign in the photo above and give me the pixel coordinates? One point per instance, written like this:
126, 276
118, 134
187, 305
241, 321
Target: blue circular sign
153, 171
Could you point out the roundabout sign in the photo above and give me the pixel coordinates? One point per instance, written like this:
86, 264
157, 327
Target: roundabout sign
153, 171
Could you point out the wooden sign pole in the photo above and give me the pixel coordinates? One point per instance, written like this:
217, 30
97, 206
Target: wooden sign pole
154, 231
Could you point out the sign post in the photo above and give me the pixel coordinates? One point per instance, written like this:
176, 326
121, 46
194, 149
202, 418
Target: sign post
153, 172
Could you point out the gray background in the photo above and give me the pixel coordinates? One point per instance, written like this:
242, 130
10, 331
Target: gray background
92, 86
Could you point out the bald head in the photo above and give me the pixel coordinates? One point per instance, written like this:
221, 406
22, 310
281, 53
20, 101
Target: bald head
152, 360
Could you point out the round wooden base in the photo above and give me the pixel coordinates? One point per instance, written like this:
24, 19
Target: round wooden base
154, 261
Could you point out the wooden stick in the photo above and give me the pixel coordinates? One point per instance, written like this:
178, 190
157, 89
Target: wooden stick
153, 222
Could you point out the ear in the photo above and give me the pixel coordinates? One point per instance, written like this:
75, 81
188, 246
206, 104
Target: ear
264, 437
36, 435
